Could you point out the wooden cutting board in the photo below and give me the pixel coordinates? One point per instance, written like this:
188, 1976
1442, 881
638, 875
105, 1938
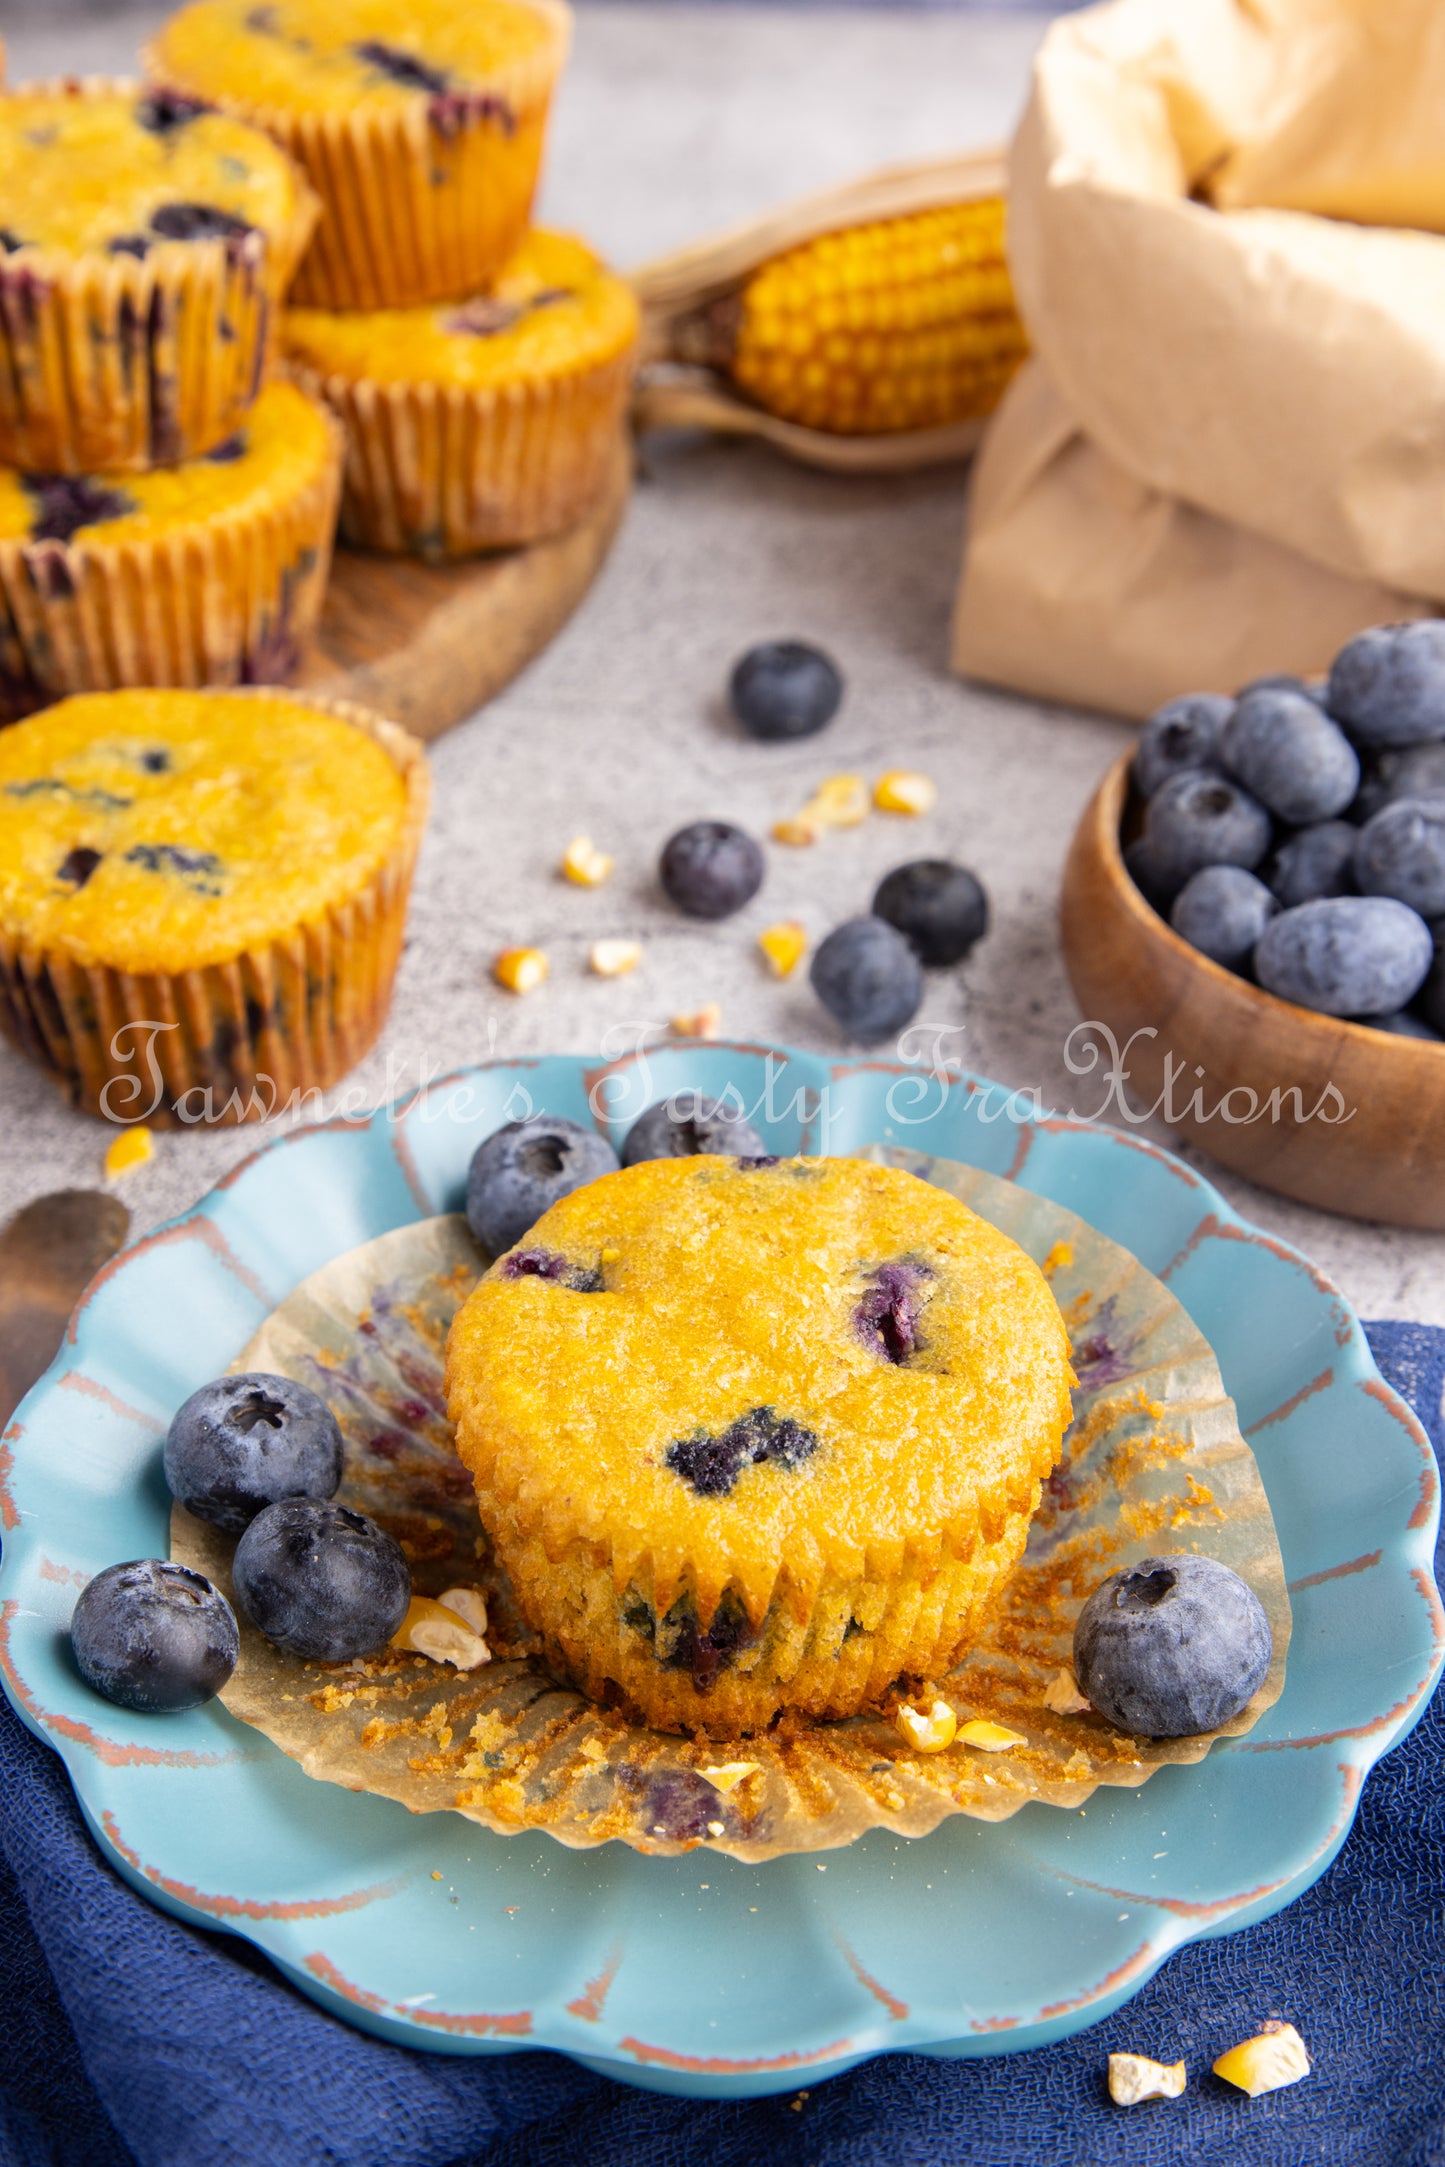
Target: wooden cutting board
427, 645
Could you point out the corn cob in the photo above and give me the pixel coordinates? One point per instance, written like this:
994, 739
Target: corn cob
904, 323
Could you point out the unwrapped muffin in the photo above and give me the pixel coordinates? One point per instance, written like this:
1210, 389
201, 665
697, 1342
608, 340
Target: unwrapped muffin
483, 423
420, 123
753, 1436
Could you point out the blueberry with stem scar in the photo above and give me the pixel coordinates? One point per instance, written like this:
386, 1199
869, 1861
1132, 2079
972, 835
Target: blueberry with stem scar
154, 1636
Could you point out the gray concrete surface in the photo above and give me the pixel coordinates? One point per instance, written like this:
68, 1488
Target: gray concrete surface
671, 121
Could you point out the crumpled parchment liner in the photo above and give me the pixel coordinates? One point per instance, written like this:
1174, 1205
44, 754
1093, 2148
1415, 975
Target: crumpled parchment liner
1153, 1461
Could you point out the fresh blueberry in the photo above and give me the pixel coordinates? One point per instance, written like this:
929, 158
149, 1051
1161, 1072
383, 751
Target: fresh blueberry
711, 869
153, 1635
1156, 882
239, 1444
1387, 686
868, 978
1289, 755
785, 689
1284, 681
1318, 861
1349, 955
685, 1124
1198, 820
1171, 1646
523, 1169
321, 1581
940, 909
1411, 771
1403, 1023
1401, 852
1183, 735
1222, 911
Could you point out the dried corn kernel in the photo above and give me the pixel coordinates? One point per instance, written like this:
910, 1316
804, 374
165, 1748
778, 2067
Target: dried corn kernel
989, 1737
903, 790
1274, 2057
839, 802
927, 1731
584, 863
614, 959
728, 1774
520, 970
801, 830
702, 1023
1063, 1697
784, 945
469, 1604
132, 1148
1133, 2077
431, 1629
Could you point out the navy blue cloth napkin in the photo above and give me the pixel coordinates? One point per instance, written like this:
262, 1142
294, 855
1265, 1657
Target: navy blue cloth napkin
125, 2037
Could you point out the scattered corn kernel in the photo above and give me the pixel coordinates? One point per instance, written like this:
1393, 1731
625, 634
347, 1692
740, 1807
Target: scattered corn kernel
702, 1023
902, 790
468, 1604
614, 959
799, 831
132, 1148
927, 1731
728, 1774
1274, 2057
989, 1737
431, 1629
840, 802
1133, 2077
1063, 1697
584, 863
520, 970
784, 945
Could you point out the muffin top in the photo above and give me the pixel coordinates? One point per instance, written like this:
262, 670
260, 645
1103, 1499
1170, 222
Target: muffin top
452, 59
554, 309
170, 830
116, 170
286, 441
734, 1367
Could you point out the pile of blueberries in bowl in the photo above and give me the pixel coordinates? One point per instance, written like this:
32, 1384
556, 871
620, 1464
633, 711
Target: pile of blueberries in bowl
1296, 833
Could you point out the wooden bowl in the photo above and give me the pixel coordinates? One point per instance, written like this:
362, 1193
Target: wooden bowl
1331, 1113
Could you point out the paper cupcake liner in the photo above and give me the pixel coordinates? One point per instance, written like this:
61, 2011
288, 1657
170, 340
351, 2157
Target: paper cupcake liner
420, 202
234, 1041
444, 472
114, 363
230, 601
1154, 1461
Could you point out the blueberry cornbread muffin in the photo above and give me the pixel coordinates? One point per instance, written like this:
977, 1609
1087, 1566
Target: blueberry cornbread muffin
420, 123
751, 1436
208, 573
476, 424
202, 895
145, 243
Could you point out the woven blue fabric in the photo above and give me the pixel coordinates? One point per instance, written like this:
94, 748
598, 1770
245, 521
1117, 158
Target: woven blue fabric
125, 2037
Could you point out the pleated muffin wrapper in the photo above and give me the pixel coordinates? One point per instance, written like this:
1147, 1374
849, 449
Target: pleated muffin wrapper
123, 362
422, 201
445, 471
1154, 1461
239, 1040
230, 601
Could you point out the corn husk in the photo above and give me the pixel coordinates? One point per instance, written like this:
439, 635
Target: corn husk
1154, 1461
677, 389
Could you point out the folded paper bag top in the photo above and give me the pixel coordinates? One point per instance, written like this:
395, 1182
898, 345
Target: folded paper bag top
1279, 371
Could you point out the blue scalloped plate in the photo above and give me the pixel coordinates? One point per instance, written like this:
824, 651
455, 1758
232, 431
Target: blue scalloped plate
703, 1975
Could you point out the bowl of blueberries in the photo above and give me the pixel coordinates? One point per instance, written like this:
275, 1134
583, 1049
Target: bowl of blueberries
1254, 907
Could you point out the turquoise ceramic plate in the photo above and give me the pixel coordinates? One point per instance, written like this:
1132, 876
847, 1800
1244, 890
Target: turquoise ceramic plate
701, 1974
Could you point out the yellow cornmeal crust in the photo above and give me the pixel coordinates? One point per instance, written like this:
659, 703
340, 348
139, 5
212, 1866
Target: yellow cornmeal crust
215, 575
427, 186
478, 424
726, 1289
202, 895
109, 360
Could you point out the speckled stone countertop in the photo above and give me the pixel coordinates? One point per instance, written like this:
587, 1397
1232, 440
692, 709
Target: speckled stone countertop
672, 121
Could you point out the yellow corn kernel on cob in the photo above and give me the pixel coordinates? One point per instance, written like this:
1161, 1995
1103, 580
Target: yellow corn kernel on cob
907, 323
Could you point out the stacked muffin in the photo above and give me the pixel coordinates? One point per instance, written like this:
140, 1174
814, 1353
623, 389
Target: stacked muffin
165, 510
481, 370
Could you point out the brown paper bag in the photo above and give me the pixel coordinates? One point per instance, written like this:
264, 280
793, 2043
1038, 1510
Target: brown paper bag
1279, 370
